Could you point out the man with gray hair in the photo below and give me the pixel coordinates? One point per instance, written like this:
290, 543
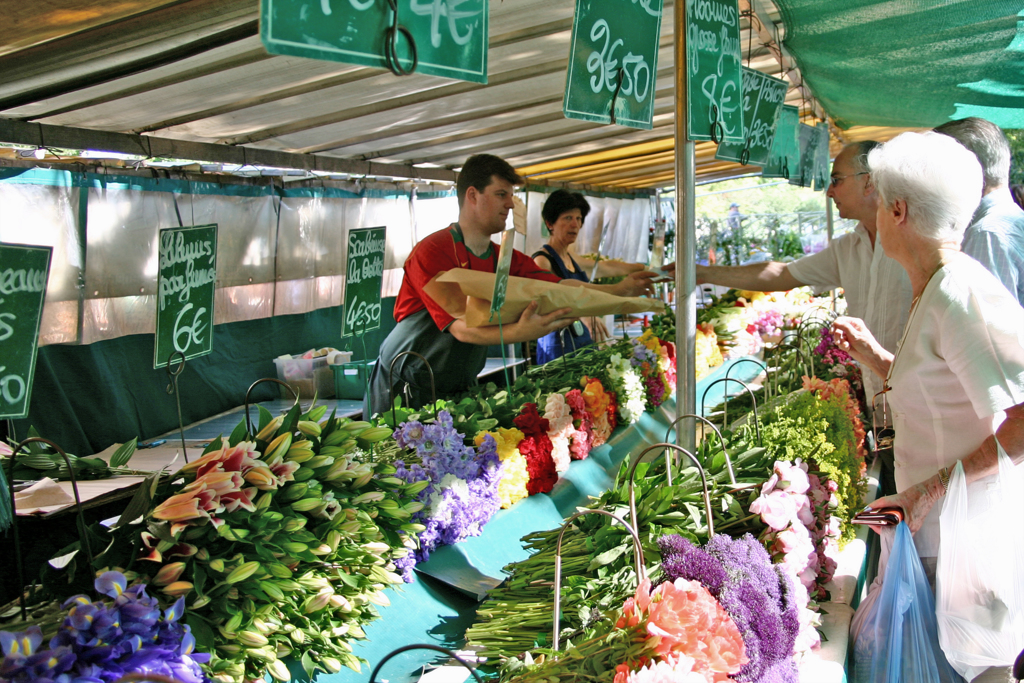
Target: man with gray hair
995, 237
877, 288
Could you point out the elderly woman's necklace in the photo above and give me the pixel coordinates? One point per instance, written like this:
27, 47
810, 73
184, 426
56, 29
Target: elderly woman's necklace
943, 261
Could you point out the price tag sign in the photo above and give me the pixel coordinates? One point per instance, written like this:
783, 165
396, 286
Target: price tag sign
806, 139
24, 271
814, 155
713, 71
186, 284
363, 283
450, 36
613, 60
501, 275
763, 96
819, 172
784, 157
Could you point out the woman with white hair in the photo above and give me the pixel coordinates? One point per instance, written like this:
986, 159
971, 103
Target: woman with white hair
956, 381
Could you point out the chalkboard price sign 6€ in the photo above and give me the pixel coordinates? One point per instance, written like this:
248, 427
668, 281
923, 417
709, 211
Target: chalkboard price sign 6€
186, 288
713, 71
24, 271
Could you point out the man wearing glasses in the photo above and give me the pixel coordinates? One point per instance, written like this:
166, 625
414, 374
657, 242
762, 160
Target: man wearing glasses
877, 288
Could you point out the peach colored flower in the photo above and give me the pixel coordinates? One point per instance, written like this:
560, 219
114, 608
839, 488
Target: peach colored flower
237, 458
689, 621
262, 478
179, 508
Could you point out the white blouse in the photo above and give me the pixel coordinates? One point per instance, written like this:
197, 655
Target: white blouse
959, 365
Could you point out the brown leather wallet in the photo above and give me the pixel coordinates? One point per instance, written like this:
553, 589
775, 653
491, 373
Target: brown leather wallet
879, 517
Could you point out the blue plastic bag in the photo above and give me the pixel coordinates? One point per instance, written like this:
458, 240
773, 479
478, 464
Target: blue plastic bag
898, 641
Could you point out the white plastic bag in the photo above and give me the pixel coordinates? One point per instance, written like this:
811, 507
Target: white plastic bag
980, 572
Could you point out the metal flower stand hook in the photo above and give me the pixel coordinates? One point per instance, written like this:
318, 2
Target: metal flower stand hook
423, 646
172, 388
696, 463
391, 385
248, 392
764, 369
725, 409
638, 556
82, 531
721, 440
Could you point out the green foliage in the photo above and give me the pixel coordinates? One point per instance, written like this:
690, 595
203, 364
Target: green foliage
811, 428
1016, 139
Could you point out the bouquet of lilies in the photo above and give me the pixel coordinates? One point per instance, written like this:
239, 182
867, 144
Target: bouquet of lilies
278, 543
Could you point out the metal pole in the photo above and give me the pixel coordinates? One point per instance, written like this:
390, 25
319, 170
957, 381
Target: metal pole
828, 218
686, 257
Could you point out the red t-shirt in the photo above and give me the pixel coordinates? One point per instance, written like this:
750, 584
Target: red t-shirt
441, 252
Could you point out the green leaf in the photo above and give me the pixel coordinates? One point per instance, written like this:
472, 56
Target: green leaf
265, 417
607, 557
204, 635
140, 502
238, 434
291, 420
123, 454
214, 445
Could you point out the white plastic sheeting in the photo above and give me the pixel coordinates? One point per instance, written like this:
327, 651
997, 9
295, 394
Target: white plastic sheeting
627, 222
275, 255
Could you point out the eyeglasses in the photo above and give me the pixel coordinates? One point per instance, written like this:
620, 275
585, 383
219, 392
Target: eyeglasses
836, 179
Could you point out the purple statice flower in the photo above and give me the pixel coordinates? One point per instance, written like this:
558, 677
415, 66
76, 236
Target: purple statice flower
101, 641
681, 559
757, 595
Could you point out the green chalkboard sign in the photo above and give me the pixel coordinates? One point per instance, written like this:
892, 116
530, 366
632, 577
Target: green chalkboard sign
813, 168
763, 96
363, 282
819, 173
784, 158
24, 271
613, 60
806, 140
187, 281
501, 274
714, 85
450, 37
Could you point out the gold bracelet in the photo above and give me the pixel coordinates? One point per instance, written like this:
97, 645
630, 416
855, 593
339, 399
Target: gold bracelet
944, 478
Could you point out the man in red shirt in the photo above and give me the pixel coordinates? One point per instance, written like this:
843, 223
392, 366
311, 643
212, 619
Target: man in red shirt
456, 353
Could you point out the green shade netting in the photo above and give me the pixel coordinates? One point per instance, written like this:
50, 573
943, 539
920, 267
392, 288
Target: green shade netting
910, 63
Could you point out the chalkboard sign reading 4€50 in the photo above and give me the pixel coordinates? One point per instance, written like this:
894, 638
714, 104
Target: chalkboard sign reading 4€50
365, 275
186, 286
24, 271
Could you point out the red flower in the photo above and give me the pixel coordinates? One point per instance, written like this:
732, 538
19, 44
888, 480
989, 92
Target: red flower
531, 423
613, 410
539, 463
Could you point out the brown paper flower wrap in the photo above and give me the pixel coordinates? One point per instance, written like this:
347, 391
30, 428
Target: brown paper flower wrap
466, 294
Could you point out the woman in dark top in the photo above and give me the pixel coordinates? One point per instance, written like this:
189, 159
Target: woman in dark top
564, 213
